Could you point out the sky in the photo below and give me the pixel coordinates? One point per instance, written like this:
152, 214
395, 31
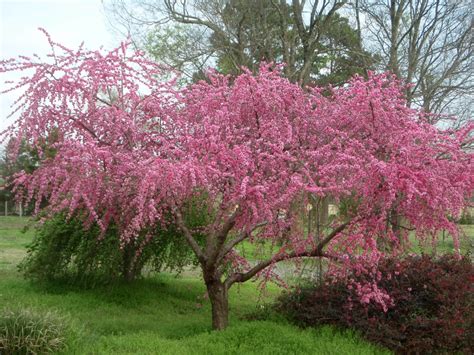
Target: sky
69, 22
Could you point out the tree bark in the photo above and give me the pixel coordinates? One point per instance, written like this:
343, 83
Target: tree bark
129, 273
219, 298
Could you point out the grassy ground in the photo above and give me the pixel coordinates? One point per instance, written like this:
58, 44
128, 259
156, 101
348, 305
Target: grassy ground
161, 314
445, 243
13, 241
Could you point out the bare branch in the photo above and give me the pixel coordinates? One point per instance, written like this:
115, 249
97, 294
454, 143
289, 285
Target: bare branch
240, 238
189, 237
316, 252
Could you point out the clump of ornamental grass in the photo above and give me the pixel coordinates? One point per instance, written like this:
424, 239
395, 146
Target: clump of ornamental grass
28, 331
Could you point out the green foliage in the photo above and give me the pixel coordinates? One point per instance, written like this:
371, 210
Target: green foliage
26, 331
467, 217
161, 314
246, 32
175, 45
63, 249
340, 55
254, 23
348, 206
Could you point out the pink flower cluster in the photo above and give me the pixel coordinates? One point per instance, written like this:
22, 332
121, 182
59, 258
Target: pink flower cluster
132, 147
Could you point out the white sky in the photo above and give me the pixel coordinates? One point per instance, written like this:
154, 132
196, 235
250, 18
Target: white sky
69, 22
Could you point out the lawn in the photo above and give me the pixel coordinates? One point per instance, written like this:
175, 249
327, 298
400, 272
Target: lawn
162, 314
445, 243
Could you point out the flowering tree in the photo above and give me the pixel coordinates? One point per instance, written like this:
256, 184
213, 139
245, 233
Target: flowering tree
133, 149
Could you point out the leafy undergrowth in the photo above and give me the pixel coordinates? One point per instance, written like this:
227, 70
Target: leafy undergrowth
433, 309
167, 315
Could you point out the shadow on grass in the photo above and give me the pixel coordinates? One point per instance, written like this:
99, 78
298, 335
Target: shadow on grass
169, 315
134, 294
164, 304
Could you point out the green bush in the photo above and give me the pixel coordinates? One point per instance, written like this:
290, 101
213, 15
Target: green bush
30, 332
467, 218
63, 249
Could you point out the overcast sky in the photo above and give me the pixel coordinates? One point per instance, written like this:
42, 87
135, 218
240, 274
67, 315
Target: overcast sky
69, 22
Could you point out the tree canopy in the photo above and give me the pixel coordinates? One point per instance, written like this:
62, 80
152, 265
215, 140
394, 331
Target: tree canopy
245, 148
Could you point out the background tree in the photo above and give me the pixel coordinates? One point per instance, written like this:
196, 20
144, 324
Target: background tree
429, 44
245, 149
17, 157
194, 35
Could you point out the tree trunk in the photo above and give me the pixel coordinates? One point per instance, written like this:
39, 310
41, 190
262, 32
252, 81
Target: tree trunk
128, 261
323, 213
219, 297
396, 222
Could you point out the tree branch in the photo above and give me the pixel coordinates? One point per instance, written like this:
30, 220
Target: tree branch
214, 250
189, 237
316, 252
242, 236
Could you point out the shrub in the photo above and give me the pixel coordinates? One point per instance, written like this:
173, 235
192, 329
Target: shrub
467, 217
432, 312
30, 332
63, 249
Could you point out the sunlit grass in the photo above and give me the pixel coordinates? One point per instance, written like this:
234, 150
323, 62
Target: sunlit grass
161, 314
164, 314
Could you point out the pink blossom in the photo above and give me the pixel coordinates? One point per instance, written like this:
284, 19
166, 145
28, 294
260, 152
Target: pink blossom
132, 148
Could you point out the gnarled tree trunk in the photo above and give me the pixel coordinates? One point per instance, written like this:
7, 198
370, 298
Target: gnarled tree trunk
219, 298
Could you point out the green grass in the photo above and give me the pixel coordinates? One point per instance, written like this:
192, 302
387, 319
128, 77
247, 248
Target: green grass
13, 241
161, 314
257, 251
445, 244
